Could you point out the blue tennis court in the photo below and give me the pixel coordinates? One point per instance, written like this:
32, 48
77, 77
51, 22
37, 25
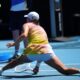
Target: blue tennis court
68, 52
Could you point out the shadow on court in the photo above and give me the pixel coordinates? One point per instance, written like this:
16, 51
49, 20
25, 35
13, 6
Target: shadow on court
32, 76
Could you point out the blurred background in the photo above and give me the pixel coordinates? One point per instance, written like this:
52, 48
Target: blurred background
60, 18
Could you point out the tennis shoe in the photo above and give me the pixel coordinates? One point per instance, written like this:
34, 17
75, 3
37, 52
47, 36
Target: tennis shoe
35, 70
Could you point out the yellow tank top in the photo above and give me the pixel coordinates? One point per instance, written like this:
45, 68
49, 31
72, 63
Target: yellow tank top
36, 42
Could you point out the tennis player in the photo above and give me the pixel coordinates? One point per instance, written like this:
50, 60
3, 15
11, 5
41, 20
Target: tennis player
38, 48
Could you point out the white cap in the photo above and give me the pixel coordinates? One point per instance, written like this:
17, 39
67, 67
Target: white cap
32, 15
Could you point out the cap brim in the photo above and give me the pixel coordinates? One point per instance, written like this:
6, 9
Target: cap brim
25, 15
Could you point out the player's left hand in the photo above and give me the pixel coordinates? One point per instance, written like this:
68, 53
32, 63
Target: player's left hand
10, 44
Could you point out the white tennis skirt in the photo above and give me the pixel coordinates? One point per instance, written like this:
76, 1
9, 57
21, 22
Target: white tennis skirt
42, 57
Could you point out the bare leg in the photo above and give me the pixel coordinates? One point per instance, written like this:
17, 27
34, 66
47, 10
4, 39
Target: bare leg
15, 34
36, 69
25, 41
20, 60
27, 65
58, 65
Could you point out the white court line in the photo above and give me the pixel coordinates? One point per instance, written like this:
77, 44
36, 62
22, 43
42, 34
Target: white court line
73, 64
66, 64
46, 70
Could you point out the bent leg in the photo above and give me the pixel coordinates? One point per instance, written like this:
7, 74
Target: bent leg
36, 68
58, 65
20, 60
15, 34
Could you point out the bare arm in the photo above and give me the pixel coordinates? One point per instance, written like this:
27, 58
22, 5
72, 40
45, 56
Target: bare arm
21, 37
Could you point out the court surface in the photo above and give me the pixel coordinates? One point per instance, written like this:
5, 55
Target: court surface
68, 52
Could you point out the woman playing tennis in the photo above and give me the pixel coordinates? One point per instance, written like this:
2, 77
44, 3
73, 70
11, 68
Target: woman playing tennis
38, 48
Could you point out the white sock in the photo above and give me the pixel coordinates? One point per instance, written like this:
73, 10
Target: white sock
38, 64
